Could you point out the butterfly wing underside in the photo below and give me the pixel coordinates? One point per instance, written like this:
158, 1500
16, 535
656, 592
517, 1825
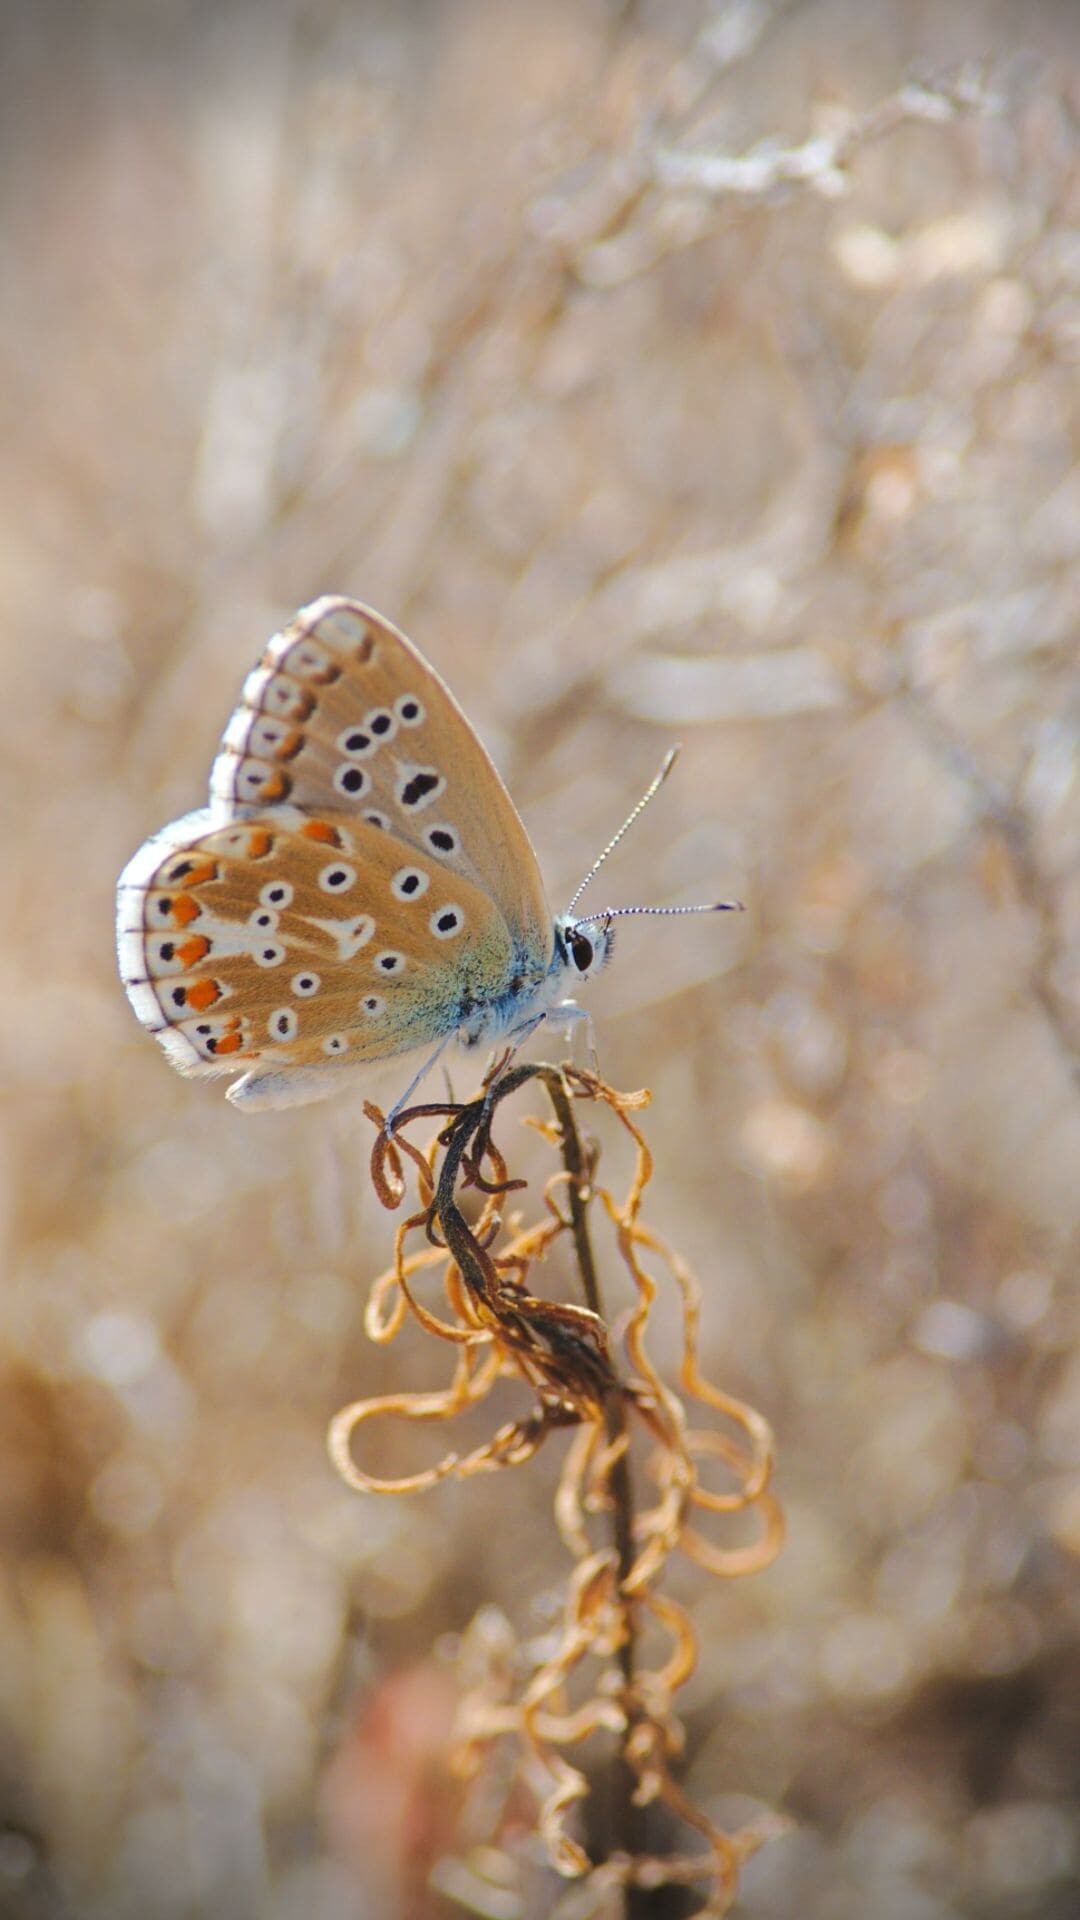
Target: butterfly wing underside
360, 882
342, 712
284, 942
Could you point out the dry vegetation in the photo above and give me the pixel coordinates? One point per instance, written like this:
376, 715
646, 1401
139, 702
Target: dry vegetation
501, 317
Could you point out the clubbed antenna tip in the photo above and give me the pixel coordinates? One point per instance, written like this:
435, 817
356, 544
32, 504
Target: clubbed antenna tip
706, 906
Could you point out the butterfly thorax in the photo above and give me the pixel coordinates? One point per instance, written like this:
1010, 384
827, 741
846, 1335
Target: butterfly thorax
534, 991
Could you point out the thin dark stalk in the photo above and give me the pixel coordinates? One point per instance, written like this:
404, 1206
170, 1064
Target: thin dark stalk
468, 1129
626, 1817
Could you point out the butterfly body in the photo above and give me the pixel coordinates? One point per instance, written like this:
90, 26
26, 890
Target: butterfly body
359, 886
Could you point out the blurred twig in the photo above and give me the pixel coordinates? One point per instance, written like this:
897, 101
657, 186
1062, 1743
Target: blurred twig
680, 194
998, 813
823, 162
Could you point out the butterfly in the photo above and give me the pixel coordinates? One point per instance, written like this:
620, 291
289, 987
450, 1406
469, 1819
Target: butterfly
359, 886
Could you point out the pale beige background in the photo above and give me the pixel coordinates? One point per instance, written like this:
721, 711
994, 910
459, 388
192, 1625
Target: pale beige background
389, 300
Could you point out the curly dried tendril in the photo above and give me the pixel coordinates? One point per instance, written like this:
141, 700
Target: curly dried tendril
632, 1432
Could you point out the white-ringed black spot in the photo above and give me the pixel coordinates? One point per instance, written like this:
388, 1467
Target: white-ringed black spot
442, 839
277, 893
390, 962
352, 781
283, 1024
337, 878
266, 920
376, 819
409, 710
271, 955
356, 742
380, 721
372, 1004
409, 883
334, 1043
418, 787
305, 984
446, 921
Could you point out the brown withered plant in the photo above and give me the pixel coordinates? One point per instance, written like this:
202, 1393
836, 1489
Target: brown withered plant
565, 1353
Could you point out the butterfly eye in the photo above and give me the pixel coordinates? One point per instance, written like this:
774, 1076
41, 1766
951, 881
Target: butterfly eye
581, 952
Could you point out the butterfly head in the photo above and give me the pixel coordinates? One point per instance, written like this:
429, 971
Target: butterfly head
582, 947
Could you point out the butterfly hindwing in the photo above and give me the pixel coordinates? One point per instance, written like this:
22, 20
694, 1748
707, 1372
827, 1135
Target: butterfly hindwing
343, 713
282, 940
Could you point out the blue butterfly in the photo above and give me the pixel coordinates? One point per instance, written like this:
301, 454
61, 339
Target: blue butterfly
359, 886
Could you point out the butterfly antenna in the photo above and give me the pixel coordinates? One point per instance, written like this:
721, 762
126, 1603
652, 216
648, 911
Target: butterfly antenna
650, 791
706, 906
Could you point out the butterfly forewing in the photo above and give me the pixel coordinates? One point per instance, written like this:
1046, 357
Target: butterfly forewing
282, 940
343, 714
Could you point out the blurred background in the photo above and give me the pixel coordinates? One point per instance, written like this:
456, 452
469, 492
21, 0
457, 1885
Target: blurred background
670, 370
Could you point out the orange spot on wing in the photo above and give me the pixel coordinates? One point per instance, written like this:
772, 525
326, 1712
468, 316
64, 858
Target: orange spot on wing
231, 1043
193, 950
276, 786
322, 830
184, 909
202, 994
198, 874
259, 843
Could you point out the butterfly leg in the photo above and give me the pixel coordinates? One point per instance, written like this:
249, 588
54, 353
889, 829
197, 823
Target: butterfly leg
518, 1035
516, 1038
567, 1012
400, 1104
572, 1017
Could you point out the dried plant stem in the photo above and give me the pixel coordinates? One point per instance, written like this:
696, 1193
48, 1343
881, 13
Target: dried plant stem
625, 1816
562, 1351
